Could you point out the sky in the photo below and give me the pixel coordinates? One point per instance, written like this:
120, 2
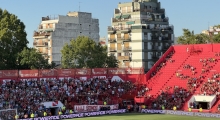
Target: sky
195, 15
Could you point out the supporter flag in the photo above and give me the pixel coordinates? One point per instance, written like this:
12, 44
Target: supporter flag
55, 103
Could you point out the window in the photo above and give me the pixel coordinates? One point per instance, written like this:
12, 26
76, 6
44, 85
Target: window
127, 54
119, 54
112, 54
145, 45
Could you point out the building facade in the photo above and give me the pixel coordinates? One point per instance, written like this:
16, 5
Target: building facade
102, 41
213, 30
140, 33
53, 33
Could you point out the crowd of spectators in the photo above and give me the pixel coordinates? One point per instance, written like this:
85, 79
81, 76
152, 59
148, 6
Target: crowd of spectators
27, 96
169, 99
212, 86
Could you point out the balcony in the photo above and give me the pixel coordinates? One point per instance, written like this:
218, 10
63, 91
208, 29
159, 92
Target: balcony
125, 58
126, 39
156, 29
38, 34
127, 49
120, 20
165, 48
158, 20
111, 30
125, 30
167, 29
111, 40
49, 18
155, 57
154, 37
40, 44
112, 49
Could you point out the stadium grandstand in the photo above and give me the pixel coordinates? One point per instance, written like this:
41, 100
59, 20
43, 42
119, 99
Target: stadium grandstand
185, 78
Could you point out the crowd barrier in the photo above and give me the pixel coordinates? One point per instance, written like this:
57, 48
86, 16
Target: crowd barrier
183, 113
78, 115
4, 74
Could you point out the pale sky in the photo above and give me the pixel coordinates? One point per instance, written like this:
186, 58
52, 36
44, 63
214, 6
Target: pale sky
192, 14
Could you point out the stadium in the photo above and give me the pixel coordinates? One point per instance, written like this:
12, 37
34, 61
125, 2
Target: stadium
182, 84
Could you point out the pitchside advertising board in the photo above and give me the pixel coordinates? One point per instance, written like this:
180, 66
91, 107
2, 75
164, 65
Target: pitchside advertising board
91, 108
79, 115
171, 112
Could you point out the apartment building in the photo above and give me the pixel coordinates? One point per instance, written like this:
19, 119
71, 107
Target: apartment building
139, 33
213, 30
102, 41
54, 32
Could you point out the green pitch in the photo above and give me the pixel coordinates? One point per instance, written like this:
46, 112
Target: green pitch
135, 116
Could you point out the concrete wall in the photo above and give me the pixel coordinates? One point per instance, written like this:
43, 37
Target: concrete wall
70, 27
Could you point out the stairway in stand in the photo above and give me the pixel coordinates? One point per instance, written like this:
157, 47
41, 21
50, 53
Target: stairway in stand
157, 83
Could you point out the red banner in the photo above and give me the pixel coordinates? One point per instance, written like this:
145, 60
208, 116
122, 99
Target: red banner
83, 72
134, 71
47, 73
99, 71
28, 73
65, 72
8, 73
116, 71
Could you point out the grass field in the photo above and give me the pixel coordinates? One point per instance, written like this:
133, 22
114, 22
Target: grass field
135, 116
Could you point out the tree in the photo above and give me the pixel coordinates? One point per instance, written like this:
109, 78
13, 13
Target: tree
191, 38
216, 38
83, 52
111, 62
30, 58
12, 39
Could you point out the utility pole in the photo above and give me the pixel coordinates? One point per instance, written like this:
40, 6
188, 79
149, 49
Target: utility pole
211, 39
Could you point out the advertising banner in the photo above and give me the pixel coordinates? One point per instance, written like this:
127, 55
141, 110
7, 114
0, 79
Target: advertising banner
78, 115
116, 71
47, 73
8, 73
82, 72
65, 72
92, 108
28, 73
99, 71
183, 113
134, 70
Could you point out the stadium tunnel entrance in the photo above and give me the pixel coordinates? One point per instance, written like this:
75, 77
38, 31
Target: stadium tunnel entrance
54, 111
203, 105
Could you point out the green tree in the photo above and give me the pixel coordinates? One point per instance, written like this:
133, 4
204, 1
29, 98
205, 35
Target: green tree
111, 62
189, 37
12, 39
216, 38
30, 58
83, 52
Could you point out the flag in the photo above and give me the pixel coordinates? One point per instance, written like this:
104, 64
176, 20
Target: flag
55, 103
